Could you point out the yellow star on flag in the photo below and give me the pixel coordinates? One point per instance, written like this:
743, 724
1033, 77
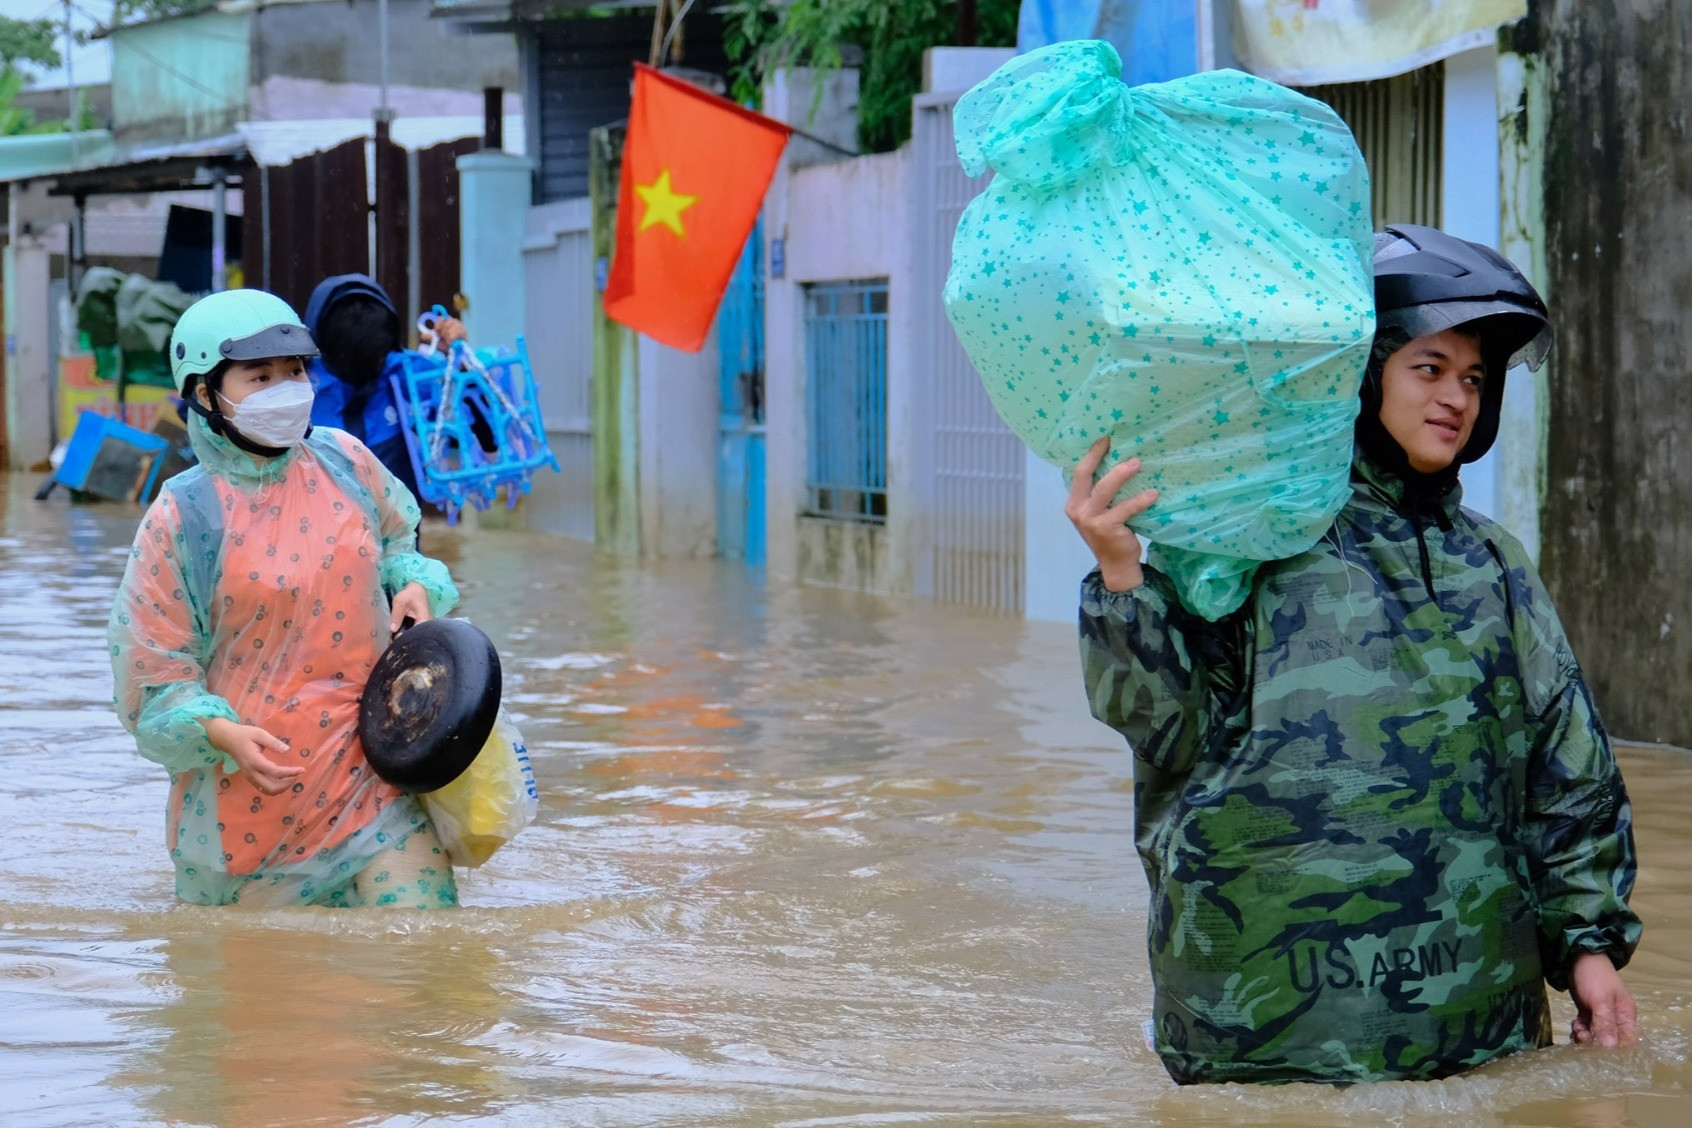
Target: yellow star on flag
663, 204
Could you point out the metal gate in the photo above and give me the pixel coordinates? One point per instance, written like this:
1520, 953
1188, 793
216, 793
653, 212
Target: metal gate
312, 218
976, 464
307, 220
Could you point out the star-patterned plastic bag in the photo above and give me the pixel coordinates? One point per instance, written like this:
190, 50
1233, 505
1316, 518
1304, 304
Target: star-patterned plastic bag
1186, 268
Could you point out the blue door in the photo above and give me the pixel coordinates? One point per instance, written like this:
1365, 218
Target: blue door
740, 435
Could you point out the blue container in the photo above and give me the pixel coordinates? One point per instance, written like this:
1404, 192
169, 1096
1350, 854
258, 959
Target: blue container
446, 400
111, 460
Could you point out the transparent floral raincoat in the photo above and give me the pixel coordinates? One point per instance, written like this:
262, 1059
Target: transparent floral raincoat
259, 593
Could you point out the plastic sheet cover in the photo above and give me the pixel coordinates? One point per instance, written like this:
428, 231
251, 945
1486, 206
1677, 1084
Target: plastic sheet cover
1184, 267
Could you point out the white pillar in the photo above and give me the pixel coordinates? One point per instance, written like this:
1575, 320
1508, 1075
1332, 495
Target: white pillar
1469, 195
494, 191
220, 209
29, 398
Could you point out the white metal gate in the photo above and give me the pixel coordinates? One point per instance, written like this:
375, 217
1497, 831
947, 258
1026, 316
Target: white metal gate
975, 467
558, 277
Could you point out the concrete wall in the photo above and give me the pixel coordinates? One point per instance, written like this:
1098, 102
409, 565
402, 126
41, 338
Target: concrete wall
1617, 529
1057, 559
1469, 202
285, 98
196, 76
180, 78
337, 41
655, 412
322, 60
678, 449
838, 221
1522, 117
558, 289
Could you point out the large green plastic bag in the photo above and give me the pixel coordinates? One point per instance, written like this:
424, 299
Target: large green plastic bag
147, 312
96, 306
1185, 267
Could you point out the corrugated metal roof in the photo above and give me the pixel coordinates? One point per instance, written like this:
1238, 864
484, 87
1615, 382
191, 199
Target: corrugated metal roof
47, 154
268, 142
503, 11
282, 142
228, 145
190, 13
152, 167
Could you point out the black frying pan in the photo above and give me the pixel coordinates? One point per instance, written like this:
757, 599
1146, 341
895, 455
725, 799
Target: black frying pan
430, 704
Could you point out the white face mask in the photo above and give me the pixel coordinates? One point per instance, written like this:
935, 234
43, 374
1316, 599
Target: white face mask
278, 416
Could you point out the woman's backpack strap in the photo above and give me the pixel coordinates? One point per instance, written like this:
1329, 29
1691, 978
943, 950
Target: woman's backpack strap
199, 508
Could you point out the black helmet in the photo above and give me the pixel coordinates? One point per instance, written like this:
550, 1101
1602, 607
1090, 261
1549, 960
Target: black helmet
1427, 282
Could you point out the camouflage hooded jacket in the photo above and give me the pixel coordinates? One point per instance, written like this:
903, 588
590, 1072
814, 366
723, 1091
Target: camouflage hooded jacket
1375, 806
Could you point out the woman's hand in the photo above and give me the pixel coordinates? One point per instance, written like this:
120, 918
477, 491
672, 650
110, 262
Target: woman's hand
1105, 526
246, 745
1606, 1014
448, 330
410, 602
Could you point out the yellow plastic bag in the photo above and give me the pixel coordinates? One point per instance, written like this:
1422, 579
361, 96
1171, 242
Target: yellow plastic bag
484, 808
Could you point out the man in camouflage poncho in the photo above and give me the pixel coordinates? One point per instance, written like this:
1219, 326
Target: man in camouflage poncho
1375, 806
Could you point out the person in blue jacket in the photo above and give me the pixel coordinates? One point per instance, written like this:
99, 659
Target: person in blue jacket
362, 343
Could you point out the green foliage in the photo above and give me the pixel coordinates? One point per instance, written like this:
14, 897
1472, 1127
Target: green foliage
16, 122
34, 42
86, 119
29, 41
888, 36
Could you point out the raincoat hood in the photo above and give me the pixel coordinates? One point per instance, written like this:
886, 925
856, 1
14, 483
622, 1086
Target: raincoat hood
1380, 466
333, 289
353, 345
223, 458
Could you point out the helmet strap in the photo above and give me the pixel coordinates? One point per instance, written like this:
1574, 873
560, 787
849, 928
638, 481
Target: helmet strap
213, 417
219, 425
246, 444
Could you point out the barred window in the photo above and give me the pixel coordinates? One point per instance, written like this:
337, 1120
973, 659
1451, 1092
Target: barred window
846, 400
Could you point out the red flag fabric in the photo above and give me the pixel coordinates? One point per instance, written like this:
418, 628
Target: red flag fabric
695, 170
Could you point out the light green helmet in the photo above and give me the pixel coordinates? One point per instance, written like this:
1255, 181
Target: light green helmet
235, 325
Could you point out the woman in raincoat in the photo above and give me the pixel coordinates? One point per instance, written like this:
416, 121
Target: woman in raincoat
1375, 807
254, 605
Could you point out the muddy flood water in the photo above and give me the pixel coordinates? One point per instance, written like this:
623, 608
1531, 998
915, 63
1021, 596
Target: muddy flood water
804, 858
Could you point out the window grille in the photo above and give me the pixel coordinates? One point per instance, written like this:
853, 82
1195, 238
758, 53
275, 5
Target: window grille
846, 400
1399, 124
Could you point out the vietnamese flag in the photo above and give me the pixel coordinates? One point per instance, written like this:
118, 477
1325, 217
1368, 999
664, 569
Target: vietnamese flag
695, 169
